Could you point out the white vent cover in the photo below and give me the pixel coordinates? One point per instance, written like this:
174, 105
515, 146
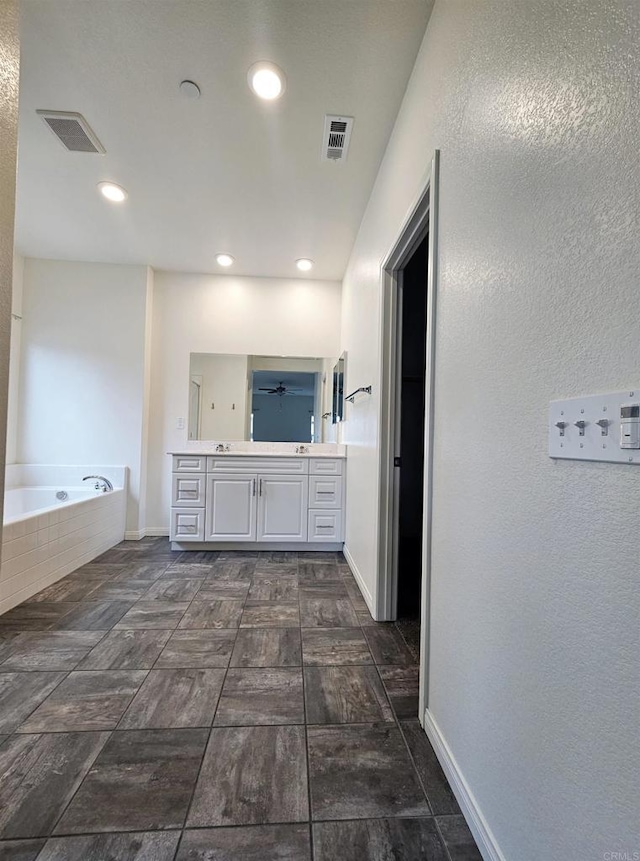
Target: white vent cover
72, 130
337, 134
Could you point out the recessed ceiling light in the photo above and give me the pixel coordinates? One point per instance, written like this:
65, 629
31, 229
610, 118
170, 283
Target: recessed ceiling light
189, 89
304, 264
113, 192
224, 259
267, 80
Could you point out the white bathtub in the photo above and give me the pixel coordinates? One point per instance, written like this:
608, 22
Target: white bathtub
20, 502
45, 538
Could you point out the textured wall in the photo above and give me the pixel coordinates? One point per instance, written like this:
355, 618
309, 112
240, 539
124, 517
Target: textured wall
535, 600
9, 75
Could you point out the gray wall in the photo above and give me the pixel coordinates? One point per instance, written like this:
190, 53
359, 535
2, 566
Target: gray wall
535, 600
9, 76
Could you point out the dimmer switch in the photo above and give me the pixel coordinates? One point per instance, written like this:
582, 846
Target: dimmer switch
630, 426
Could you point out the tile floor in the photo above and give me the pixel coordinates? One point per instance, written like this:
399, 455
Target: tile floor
214, 707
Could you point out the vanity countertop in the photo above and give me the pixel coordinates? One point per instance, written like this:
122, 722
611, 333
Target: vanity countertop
212, 452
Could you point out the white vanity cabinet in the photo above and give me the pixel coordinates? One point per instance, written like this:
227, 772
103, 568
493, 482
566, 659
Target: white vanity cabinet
239, 499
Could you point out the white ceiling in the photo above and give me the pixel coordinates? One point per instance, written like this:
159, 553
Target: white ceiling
226, 172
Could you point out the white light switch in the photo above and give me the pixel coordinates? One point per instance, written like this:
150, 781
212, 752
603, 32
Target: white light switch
596, 427
180, 423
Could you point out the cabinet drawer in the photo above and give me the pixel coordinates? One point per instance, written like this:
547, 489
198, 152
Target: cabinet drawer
262, 465
325, 491
325, 466
187, 524
189, 463
188, 490
325, 526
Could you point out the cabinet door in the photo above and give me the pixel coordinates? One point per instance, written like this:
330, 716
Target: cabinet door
187, 490
282, 507
325, 491
187, 524
231, 508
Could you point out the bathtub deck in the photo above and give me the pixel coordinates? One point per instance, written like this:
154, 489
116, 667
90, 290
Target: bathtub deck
159, 705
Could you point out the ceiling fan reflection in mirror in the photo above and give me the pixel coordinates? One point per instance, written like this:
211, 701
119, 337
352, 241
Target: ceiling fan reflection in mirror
281, 390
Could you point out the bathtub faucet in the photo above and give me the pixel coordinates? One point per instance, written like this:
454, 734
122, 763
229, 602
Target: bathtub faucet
102, 483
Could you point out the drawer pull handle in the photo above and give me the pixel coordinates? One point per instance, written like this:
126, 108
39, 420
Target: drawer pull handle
324, 527
325, 492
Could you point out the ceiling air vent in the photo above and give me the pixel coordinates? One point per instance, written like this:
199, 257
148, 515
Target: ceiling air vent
72, 130
337, 134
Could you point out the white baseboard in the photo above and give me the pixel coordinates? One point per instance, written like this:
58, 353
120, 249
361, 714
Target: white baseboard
150, 531
134, 535
359, 580
483, 835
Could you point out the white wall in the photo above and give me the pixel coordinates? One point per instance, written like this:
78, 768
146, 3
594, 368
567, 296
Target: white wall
535, 599
82, 376
9, 80
224, 314
224, 384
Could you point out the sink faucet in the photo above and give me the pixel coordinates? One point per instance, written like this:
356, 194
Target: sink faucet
302, 449
222, 447
102, 483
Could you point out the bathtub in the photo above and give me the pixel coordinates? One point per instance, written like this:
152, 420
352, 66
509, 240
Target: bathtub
45, 537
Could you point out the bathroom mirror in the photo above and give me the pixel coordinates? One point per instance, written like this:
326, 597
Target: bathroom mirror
260, 398
337, 400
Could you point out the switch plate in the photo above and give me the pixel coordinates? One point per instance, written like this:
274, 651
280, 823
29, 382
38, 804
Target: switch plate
570, 439
180, 424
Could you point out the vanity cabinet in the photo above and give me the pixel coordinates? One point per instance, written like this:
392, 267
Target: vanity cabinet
271, 500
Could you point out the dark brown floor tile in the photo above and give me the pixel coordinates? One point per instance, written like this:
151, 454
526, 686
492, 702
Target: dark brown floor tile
252, 843
267, 587
458, 838
270, 614
144, 570
96, 571
239, 569
120, 590
142, 780
355, 595
213, 614
261, 696
252, 776
113, 557
93, 616
388, 647
318, 572
86, 701
325, 647
378, 840
286, 567
220, 590
175, 698
50, 650
439, 794
269, 647
161, 615
319, 556
345, 695
366, 620
327, 613
183, 571
173, 590
360, 772
244, 555
21, 693
140, 846
66, 590
7, 638
3, 738
39, 616
203, 648
197, 557
20, 850
40, 774
324, 589
402, 685
126, 650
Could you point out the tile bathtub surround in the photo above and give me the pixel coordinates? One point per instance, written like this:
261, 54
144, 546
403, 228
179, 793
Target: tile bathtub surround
137, 726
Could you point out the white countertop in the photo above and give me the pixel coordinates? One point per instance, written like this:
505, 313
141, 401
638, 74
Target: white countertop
261, 454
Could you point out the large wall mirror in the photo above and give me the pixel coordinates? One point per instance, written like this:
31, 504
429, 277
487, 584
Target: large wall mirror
263, 398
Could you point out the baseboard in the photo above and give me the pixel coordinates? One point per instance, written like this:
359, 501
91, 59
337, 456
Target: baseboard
484, 837
157, 531
359, 580
134, 535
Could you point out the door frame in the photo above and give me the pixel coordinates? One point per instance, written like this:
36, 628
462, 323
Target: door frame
421, 220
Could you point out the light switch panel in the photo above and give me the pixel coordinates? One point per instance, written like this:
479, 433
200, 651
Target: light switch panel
589, 427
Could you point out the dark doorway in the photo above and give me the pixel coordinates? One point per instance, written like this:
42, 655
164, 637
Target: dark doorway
412, 351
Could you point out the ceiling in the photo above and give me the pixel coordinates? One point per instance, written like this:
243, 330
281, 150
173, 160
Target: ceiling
224, 173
